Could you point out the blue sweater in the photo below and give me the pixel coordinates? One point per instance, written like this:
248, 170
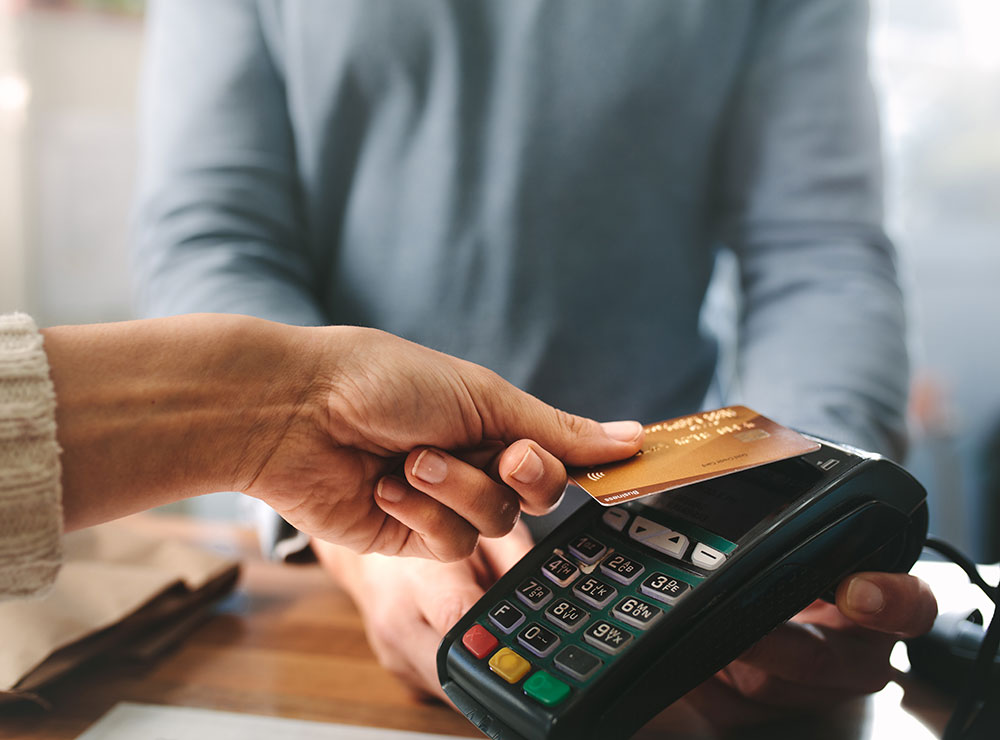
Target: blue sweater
539, 187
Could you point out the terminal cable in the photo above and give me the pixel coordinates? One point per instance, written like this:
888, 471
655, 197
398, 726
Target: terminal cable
974, 697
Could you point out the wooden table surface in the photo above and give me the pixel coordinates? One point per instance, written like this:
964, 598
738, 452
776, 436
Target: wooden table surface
290, 644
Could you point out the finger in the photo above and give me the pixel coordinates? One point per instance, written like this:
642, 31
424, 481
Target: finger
423, 658
537, 476
491, 507
420, 526
511, 414
817, 657
442, 600
894, 603
768, 690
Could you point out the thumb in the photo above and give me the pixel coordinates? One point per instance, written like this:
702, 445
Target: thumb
511, 414
894, 603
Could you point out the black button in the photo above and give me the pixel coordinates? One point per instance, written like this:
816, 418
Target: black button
534, 594
595, 592
560, 570
587, 548
506, 616
607, 637
664, 587
621, 568
636, 612
576, 662
538, 639
566, 614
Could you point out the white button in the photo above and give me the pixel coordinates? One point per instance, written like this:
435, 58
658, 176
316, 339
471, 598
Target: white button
642, 529
616, 519
707, 557
669, 543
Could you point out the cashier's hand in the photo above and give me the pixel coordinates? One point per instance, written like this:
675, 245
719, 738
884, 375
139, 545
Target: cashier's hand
401, 450
828, 653
408, 605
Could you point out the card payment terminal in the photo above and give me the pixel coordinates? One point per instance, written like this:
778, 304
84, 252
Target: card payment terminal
622, 610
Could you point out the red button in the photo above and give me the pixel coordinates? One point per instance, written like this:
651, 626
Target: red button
479, 641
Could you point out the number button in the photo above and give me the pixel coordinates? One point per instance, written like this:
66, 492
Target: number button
587, 549
636, 612
622, 569
576, 662
664, 588
605, 636
534, 594
538, 639
567, 615
506, 616
560, 570
594, 592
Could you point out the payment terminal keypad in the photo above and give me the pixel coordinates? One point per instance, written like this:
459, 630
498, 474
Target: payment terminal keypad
506, 617
663, 587
621, 568
594, 591
560, 570
566, 614
636, 612
591, 600
534, 594
586, 549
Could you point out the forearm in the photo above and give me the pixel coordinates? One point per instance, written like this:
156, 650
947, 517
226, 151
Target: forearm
822, 343
150, 412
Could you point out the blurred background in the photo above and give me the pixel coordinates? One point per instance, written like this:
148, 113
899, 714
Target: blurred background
68, 85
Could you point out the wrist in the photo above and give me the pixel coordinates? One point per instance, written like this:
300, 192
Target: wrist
154, 411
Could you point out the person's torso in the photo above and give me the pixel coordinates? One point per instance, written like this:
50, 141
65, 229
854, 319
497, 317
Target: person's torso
527, 184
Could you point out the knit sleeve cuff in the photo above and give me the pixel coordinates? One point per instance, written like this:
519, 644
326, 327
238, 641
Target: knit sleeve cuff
30, 489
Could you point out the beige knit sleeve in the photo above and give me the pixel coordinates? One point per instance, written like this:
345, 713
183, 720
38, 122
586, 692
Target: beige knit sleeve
30, 492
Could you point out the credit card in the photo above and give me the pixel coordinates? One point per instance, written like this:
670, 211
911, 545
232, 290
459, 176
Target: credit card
679, 452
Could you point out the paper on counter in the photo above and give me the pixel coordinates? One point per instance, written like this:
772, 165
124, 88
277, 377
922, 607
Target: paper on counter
128, 721
108, 575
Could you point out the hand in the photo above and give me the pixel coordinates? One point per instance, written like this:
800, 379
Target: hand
401, 450
353, 435
408, 605
828, 653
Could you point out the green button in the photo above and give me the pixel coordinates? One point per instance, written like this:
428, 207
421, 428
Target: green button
544, 688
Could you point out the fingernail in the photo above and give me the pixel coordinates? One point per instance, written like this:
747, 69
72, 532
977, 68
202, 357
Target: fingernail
623, 431
530, 469
430, 467
391, 490
864, 596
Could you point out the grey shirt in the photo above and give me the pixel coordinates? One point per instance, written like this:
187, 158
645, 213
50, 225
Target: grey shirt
540, 187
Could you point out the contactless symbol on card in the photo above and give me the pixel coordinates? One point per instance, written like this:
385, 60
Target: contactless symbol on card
693, 448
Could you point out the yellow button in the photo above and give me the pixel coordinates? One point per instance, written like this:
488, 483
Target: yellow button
510, 666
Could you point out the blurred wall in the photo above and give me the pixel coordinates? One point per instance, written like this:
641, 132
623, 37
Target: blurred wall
67, 189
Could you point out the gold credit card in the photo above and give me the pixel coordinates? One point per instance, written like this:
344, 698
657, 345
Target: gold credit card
681, 451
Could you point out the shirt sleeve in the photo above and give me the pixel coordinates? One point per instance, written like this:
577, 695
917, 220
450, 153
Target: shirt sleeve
218, 218
30, 489
821, 343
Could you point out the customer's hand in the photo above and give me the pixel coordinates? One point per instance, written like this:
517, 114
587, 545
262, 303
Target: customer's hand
401, 450
408, 605
353, 435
